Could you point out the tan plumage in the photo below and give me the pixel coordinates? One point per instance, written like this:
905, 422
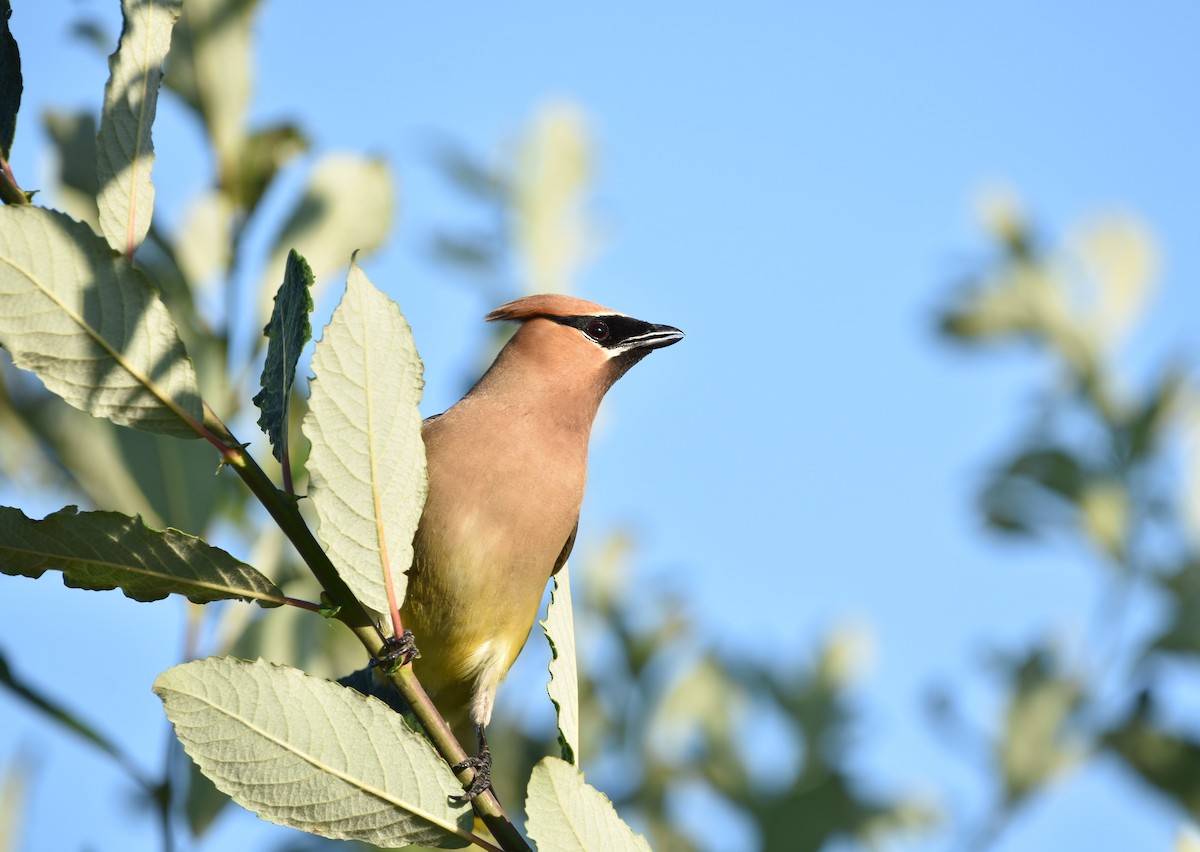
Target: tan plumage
507, 467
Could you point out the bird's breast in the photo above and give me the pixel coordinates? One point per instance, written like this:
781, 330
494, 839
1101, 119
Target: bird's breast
503, 500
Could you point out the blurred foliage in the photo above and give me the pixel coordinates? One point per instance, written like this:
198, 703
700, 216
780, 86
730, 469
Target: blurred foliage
669, 711
666, 710
1097, 467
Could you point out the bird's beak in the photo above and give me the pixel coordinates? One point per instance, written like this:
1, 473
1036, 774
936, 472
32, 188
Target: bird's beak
654, 337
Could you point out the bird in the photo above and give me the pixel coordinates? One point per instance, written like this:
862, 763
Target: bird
507, 467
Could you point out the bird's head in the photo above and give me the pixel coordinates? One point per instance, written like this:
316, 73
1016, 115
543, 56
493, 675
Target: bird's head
579, 341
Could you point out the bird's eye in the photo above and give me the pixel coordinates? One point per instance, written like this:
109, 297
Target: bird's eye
597, 330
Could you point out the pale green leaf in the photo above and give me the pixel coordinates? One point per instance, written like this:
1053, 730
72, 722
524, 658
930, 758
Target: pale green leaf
124, 150
202, 241
1187, 840
559, 628
287, 331
566, 814
14, 802
90, 325
107, 550
307, 753
1120, 260
367, 474
554, 171
73, 135
212, 69
347, 207
170, 483
1036, 744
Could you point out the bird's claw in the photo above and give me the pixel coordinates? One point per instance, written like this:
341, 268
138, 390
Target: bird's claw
481, 765
396, 652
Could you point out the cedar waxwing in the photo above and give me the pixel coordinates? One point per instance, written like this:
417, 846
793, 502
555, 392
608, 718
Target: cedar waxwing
507, 466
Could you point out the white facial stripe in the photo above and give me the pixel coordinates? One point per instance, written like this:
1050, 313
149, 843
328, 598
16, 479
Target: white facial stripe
630, 343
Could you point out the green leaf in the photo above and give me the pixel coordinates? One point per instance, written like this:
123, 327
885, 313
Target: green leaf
175, 478
1167, 762
124, 150
367, 474
11, 84
566, 813
106, 550
1181, 633
470, 175
288, 331
170, 483
262, 156
203, 802
202, 240
74, 139
307, 753
347, 207
91, 326
1143, 429
1034, 748
559, 628
1052, 468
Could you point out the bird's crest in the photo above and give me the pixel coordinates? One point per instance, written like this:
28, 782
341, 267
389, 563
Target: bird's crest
543, 304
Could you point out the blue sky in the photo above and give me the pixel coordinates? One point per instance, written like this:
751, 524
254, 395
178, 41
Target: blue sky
793, 186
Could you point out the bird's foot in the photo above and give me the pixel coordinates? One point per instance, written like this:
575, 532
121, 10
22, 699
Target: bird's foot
396, 652
481, 764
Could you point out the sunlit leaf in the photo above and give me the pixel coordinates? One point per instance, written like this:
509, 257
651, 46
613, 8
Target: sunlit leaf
124, 150
559, 628
307, 753
90, 325
566, 813
287, 332
367, 474
107, 550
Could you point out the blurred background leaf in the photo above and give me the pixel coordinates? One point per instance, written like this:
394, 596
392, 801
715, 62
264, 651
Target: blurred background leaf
677, 719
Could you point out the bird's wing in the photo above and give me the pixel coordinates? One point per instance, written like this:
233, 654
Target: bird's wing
566, 551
